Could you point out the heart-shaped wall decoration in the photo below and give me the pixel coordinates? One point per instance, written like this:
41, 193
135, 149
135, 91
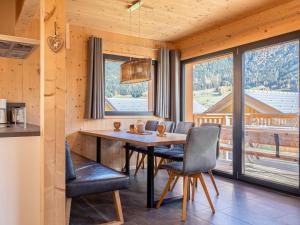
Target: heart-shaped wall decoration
55, 43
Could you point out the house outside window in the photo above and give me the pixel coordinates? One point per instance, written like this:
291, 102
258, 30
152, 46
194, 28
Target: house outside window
126, 99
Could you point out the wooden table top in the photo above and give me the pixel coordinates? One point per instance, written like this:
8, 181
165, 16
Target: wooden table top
145, 140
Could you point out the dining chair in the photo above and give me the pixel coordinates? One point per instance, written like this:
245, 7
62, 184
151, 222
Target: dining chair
199, 157
93, 178
143, 150
149, 126
210, 173
177, 155
175, 150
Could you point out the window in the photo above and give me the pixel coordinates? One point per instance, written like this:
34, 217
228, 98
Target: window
210, 83
271, 113
253, 91
125, 99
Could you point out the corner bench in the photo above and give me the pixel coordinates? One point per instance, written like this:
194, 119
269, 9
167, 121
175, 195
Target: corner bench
92, 178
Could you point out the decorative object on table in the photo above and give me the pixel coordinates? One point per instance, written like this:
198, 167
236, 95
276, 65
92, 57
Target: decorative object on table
136, 70
117, 126
161, 129
140, 126
132, 128
55, 42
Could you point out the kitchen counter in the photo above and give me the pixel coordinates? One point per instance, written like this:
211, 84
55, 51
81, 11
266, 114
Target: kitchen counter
18, 130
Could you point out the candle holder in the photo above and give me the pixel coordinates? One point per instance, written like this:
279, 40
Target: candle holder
117, 126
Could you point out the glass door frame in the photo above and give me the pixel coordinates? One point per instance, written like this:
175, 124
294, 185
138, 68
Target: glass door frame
238, 106
241, 50
233, 52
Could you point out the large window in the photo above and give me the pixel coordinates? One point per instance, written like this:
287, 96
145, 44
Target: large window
210, 83
125, 99
253, 92
271, 113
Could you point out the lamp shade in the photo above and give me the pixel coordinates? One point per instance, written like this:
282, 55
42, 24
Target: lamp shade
136, 71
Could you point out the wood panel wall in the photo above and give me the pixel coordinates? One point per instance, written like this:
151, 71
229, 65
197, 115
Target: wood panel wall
272, 22
20, 78
76, 68
53, 105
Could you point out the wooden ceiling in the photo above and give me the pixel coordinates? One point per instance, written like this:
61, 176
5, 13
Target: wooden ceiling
165, 20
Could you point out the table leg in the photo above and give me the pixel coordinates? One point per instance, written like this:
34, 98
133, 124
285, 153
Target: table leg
150, 177
98, 149
127, 159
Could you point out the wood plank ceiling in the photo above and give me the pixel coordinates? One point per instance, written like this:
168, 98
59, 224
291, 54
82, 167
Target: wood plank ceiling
161, 19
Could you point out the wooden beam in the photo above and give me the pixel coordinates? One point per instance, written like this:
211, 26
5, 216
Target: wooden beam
188, 107
26, 12
53, 103
272, 22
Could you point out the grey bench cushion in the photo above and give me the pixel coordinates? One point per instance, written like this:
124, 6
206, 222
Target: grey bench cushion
70, 172
92, 178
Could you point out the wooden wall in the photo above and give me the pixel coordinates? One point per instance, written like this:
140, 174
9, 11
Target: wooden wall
275, 21
20, 79
53, 114
76, 68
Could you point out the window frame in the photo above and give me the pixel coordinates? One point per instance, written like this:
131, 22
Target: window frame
238, 105
130, 113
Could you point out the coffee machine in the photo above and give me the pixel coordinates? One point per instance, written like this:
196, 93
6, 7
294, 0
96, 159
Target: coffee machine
3, 111
16, 113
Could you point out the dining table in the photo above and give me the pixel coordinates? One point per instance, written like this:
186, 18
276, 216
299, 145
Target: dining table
150, 140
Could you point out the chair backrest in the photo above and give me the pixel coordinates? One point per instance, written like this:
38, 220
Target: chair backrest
169, 126
183, 127
200, 150
70, 172
214, 125
151, 125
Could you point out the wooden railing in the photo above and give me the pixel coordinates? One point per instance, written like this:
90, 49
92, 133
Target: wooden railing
255, 119
278, 130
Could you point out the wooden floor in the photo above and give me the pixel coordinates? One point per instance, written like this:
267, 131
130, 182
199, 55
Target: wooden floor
238, 204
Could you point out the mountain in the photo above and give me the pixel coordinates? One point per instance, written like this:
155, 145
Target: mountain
272, 68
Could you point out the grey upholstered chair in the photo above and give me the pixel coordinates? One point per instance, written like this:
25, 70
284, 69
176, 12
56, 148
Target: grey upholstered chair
177, 155
151, 125
199, 157
217, 153
175, 152
92, 178
143, 150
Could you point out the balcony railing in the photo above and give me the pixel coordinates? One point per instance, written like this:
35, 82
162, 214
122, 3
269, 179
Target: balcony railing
277, 130
254, 119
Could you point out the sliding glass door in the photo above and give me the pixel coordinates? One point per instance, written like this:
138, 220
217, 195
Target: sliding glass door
209, 83
253, 92
270, 150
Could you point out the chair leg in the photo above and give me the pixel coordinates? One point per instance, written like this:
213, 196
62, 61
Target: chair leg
165, 191
174, 184
206, 192
137, 160
193, 188
185, 196
130, 154
68, 210
159, 164
213, 181
140, 164
118, 207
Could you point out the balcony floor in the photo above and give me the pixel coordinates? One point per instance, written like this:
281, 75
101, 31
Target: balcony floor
273, 170
238, 204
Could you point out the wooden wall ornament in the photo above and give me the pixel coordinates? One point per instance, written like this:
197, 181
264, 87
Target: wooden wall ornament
55, 42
